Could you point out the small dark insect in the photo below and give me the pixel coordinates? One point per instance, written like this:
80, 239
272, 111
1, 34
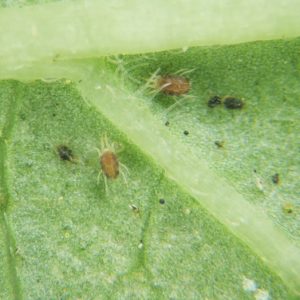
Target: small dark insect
214, 101
162, 201
173, 85
233, 103
167, 123
275, 178
65, 153
109, 164
219, 144
186, 132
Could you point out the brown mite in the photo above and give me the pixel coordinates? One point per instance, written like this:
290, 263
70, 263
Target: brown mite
109, 164
173, 85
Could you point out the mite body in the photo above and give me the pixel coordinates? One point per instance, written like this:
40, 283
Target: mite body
109, 164
173, 85
177, 85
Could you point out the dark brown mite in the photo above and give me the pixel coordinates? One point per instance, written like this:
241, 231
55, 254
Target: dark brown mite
233, 103
173, 85
214, 101
109, 164
65, 153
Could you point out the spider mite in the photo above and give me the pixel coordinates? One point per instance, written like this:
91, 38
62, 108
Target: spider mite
109, 162
173, 85
169, 84
176, 84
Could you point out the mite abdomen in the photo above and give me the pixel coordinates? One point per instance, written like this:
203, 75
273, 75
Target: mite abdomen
173, 85
109, 164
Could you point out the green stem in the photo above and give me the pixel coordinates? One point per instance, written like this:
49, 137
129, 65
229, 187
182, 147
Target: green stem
96, 28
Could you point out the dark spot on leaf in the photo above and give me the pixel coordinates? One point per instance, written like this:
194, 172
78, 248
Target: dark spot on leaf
186, 132
65, 153
233, 103
275, 178
288, 208
162, 201
219, 144
167, 123
22, 116
214, 101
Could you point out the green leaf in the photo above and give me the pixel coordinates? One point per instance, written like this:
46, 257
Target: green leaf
195, 212
219, 235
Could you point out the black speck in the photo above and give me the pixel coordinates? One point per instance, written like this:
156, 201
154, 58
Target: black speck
186, 132
167, 123
214, 101
233, 103
162, 201
275, 178
65, 153
219, 144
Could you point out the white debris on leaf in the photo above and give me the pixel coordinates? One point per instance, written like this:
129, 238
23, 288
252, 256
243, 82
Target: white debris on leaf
249, 285
261, 294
